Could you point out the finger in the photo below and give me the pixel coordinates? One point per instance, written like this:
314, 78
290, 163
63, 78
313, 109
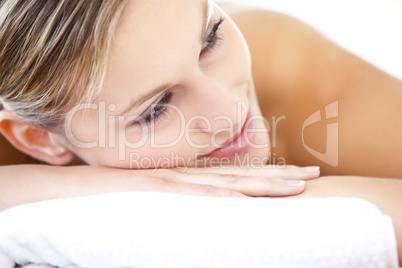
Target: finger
250, 186
197, 190
288, 172
146, 181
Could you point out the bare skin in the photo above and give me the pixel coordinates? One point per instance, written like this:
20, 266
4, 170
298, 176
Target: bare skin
321, 73
291, 62
297, 72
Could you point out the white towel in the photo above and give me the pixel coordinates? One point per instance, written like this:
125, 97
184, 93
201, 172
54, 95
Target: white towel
138, 229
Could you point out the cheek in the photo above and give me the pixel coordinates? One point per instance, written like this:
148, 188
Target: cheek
82, 128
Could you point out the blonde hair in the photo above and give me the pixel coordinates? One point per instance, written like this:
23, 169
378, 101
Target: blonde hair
53, 55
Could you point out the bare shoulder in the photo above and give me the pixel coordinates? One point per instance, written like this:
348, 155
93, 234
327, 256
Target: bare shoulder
283, 48
288, 65
298, 71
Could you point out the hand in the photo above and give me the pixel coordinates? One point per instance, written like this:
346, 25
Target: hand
226, 182
33, 183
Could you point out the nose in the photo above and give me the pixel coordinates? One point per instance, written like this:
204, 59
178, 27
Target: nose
223, 108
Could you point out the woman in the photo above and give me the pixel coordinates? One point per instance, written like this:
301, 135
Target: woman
108, 83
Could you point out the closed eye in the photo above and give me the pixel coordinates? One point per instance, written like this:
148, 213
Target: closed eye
213, 38
155, 112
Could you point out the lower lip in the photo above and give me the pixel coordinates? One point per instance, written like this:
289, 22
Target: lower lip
238, 145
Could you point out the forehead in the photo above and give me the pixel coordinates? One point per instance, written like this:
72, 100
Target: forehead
153, 42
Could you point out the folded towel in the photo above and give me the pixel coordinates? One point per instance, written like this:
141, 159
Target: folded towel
138, 229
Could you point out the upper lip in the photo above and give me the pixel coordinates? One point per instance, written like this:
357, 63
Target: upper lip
233, 138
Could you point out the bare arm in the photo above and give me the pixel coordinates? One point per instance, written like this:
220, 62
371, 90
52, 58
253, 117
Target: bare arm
32, 183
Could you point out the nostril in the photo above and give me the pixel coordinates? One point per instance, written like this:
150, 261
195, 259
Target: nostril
221, 137
199, 124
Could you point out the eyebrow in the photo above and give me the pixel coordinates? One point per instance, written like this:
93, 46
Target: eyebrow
207, 14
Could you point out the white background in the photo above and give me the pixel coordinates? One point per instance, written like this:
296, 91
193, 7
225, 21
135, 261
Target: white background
371, 29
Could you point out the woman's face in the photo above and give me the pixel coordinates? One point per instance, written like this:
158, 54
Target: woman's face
178, 92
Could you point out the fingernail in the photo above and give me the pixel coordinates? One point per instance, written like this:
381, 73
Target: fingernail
295, 183
310, 169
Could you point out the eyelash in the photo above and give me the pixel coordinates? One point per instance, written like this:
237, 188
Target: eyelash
211, 42
158, 110
214, 38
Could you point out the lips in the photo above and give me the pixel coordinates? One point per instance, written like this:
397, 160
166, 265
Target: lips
239, 143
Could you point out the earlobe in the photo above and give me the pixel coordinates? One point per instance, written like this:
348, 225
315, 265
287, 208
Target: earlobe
34, 141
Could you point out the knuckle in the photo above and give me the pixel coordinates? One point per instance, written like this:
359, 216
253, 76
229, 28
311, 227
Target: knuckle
208, 190
273, 181
291, 168
272, 187
230, 178
153, 184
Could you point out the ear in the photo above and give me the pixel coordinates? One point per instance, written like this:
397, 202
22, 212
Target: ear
34, 141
